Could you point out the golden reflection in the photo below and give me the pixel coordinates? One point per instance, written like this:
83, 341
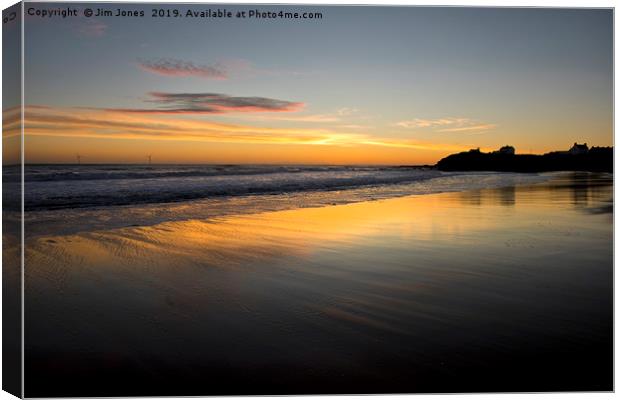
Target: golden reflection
449, 218
234, 240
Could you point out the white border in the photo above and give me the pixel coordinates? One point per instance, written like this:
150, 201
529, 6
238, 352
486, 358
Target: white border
479, 3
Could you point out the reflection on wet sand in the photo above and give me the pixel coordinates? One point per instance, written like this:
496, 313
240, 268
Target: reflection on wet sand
506, 289
504, 196
587, 192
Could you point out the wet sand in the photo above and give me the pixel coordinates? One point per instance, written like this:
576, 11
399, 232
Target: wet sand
490, 290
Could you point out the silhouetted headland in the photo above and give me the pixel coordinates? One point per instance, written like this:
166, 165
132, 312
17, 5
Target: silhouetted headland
578, 158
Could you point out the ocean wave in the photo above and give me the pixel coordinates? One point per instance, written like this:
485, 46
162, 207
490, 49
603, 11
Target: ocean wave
55, 173
134, 185
40, 222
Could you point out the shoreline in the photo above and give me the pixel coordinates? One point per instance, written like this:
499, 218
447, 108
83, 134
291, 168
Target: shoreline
564, 179
73, 220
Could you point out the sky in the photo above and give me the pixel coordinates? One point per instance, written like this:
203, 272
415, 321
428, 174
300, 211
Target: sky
361, 85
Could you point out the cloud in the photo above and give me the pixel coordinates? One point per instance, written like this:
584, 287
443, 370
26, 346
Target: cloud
11, 122
211, 103
473, 128
175, 67
345, 111
447, 125
98, 123
427, 123
111, 124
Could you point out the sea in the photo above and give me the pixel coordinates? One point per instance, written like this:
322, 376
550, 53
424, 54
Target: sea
68, 199
50, 187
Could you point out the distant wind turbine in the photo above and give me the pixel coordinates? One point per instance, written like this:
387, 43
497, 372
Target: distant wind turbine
79, 158
149, 157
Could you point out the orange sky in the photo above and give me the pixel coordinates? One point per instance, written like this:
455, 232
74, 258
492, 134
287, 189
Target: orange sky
100, 136
57, 135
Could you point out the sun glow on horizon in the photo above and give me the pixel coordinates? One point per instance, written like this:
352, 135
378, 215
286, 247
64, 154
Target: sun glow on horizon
55, 134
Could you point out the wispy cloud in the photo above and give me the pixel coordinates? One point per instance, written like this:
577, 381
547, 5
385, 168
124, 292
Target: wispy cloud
112, 124
76, 122
465, 125
211, 103
182, 68
472, 129
346, 111
428, 123
11, 122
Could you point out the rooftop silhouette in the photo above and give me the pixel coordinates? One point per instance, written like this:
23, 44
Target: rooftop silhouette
577, 158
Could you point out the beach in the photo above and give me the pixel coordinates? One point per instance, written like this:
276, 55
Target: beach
492, 288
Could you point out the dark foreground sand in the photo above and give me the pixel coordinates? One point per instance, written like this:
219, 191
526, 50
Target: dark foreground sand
492, 290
